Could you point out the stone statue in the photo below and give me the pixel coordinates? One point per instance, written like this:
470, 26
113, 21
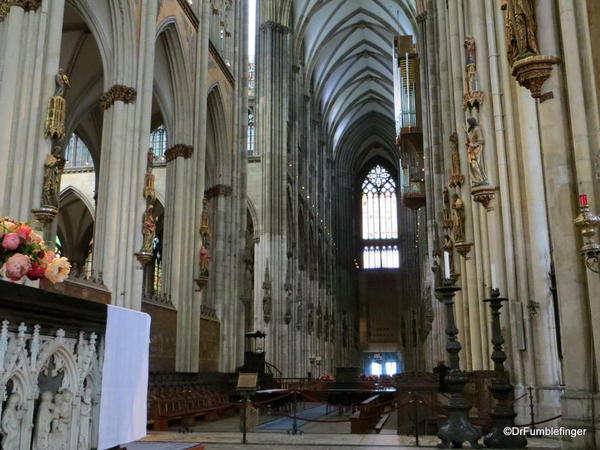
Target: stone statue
53, 169
204, 261
458, 218
520, 29
11, 422
471, 64
83, 442
149, 188
475, 142
43, 422
61, 81
148, 229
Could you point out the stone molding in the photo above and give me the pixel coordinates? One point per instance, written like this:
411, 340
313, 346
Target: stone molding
179, 151
274, 26
117, 93
218, 190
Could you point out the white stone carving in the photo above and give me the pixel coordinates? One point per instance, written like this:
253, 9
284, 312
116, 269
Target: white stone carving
58, 377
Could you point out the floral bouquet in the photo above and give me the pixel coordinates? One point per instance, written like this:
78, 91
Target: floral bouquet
326, 377
23, 253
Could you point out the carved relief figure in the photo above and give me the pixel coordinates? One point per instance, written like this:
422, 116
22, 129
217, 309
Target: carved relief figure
475, 142
11, 422
53, 168
83, 442
204, 261
44, 421
520, 29
61, 422
458, 218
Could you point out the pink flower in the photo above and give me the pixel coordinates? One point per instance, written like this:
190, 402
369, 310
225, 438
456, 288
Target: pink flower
49, 256
24, 231
36, 238
11, 241
58, 270
16, 266
37, 271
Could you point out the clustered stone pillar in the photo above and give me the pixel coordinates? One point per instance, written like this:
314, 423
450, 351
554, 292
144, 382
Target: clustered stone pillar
30, 36
271, 134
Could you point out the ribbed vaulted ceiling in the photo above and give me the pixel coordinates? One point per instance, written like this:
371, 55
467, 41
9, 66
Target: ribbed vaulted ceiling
348, 54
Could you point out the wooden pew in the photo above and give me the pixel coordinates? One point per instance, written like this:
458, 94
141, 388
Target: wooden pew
368, 415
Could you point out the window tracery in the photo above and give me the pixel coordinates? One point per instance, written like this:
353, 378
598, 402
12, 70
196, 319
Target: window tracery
379, 220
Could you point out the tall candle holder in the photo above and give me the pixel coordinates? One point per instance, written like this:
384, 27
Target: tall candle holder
458, 429
504, 414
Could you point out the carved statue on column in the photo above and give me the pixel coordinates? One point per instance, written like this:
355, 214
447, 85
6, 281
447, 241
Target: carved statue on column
148, 229
267, 299
43, 424
520, 28
149, 188
145, 254
55, 122
457, 178
529, 67
458, 226
204, 255
11, 422
472, 97
475, 142
53, 169
458, 218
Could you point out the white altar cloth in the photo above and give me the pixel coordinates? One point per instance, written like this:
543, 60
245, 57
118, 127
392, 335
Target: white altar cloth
124, 377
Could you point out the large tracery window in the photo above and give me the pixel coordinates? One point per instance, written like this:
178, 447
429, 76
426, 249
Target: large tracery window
379, 220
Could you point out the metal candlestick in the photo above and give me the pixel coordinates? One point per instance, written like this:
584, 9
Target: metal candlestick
503, 415
458, 429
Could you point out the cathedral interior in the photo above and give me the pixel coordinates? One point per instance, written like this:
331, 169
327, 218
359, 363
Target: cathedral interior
385, 210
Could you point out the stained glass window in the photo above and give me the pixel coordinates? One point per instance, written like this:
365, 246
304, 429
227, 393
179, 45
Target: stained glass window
158, 141
77, 154
379, 220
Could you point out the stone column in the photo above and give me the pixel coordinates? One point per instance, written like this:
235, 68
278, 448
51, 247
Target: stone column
30, 38
560, 190
271, 139
125, 138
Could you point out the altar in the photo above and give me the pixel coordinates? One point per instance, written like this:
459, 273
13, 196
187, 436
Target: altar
63, 380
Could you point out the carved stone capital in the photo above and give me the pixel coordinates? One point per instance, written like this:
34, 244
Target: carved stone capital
4, 9
218, 190
276, 27
179, 151
117, 93
27, 5
531, 72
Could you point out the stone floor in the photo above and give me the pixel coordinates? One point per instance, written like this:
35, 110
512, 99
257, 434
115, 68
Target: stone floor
224, 435
280, 441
